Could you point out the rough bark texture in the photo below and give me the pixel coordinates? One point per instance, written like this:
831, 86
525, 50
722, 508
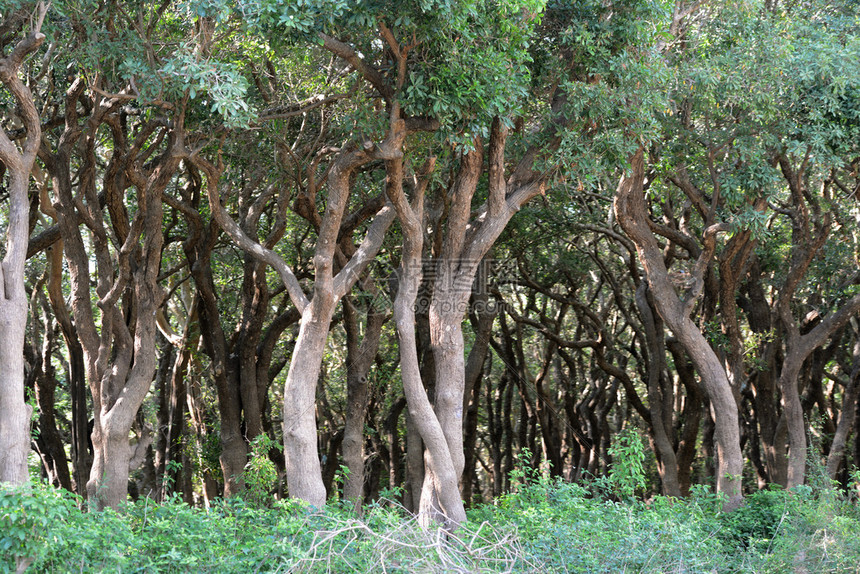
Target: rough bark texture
440, 498
632, 215
360, 357
120, 353
303, 470
14, 411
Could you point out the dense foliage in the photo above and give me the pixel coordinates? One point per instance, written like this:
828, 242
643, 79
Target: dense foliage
528, 262
545, 526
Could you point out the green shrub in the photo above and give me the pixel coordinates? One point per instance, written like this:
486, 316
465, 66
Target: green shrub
546, 526
822, 535
756, 523
261, 474
28, 516
628, 464
561, 529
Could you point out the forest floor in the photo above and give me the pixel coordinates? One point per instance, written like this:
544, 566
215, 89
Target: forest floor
543, 527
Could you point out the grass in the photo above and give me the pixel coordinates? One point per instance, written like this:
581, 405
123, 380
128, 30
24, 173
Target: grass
545, 527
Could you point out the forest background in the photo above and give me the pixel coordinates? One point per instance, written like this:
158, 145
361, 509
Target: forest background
413, 250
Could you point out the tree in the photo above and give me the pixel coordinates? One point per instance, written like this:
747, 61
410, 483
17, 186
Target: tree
304, 477
14, 411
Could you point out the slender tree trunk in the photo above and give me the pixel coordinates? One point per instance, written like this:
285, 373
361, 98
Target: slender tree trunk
77, 384
470, 440
14, 411
303, 470
691, 414
50, 442
440, 495
359, 358
482, 325
850, 405
798, 349
495, 410
234, 450
414, 466
667, 463
162, 388
395, 449
632, 215
177, 403
201, 432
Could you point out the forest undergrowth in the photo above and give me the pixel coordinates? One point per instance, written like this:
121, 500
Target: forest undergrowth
544, 526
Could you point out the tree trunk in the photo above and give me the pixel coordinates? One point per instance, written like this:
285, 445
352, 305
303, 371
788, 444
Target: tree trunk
470, 440
49, 441
177, 404
847, 413
440, 496
359, 359
234, 450
414, 466
304, 478
14, 411
485, 311
798, 349
395, 449
123, 389
304, 473
691, 414
632, 214
162, 424
662, 429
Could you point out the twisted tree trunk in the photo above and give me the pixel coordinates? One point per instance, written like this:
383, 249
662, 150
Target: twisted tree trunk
632, 214
14, 411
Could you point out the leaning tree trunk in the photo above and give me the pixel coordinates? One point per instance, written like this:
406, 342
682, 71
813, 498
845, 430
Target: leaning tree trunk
467, 241
846, 416
14, 411
440, 498
632, 215
661, 419
303, 470
359, 358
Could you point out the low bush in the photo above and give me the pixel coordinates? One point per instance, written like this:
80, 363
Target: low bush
546, 526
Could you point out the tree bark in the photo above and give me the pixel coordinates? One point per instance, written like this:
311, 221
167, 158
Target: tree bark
14, 411
120, 353
303, 470
440, 496
359, 357
632, 215
798, 347
482, 323
662, 429
42, 381
464, 245
847, 413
